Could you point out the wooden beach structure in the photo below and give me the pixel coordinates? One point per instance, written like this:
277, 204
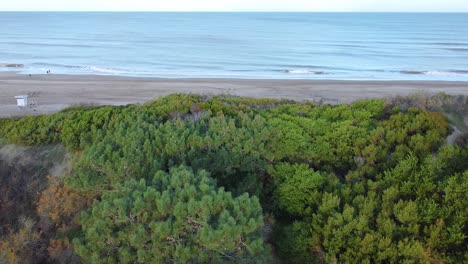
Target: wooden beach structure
22, 101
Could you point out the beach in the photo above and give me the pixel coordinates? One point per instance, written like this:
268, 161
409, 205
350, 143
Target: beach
54, 92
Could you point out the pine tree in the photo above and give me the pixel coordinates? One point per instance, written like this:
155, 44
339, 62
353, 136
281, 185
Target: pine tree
178, 217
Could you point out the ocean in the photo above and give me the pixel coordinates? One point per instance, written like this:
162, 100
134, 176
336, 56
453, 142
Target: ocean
337, 46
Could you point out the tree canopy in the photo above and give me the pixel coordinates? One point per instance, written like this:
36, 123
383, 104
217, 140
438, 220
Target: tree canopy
178, 217
188, 178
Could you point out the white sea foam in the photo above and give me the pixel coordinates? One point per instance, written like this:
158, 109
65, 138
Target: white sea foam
11, 65
137, 72
108, 70
445, 73
304, 72
437, 73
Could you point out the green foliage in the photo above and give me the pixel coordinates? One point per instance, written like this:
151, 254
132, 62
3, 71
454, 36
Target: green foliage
32, 130
79, 126
178, 217
410, 213
232, 105
171, 107
298, 187
362, 183
293, 244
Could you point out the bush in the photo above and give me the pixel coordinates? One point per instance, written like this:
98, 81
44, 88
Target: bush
366, 182
178, 217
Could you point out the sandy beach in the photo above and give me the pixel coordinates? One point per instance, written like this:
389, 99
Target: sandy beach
53, 92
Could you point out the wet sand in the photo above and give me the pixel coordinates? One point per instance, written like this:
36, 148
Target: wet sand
53, 92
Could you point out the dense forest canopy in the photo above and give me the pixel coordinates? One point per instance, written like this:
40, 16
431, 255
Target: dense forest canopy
197, 179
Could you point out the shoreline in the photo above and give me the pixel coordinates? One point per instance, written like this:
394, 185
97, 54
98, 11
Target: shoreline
13, 74
54, 92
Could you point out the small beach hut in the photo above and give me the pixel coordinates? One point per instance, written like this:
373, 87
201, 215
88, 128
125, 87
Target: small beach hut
22, 100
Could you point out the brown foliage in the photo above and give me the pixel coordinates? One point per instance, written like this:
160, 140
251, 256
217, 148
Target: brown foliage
61, 250
24, 246
58, 208
61, 204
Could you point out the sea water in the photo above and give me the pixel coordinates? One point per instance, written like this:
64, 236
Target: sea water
349, 46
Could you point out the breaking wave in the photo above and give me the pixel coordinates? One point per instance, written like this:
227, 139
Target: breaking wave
304, 72
437, 73
11, 65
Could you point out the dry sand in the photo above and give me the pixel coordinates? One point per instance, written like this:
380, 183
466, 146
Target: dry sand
55, 92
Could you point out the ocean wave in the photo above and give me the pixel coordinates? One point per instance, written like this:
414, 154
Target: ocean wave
37, 44
137, 72
310, 67
55, 65
446, 73
40, 67
11, 65
348, 45
304, 66
458, 49
107, 70
437, 73
451, 43
412, 72
461, 71
304, 72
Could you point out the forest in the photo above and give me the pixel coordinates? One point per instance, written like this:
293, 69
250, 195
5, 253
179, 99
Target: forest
216, 179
